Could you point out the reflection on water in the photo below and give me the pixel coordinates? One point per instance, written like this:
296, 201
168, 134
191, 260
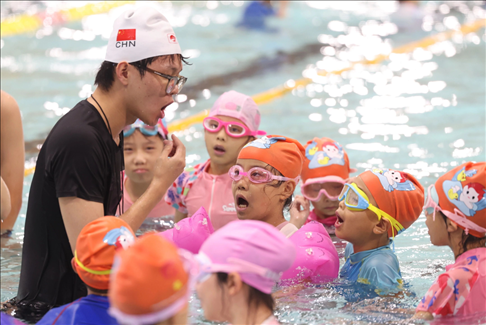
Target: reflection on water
422, 112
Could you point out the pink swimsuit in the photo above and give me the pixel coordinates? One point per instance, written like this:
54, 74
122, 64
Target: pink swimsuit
197, 188
328, 223
462, 289
160, 210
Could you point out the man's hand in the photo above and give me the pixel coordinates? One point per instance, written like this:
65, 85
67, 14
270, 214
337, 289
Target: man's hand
299, 211
171, 162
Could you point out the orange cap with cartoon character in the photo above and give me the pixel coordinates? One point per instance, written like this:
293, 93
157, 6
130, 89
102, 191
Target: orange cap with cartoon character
397, 193
325, 157
150, 282
282, 153
462, 191
95, 249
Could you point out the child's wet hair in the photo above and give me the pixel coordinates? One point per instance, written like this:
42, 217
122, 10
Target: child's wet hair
288, 201
467, 240
255, 296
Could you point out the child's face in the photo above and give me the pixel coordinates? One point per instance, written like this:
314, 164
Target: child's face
255, 201
211, 296
356, 226
437, 229
223, 149
326, 206
141, 152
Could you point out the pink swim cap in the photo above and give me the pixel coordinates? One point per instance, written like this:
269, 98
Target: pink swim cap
254, 249
240, 106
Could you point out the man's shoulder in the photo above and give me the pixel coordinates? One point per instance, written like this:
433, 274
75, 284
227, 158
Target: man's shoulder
80, 124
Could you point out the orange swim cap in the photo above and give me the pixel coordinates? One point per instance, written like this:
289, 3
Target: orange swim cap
282, 153
150, 281
95, 249
397, 193
462, 191
325, 157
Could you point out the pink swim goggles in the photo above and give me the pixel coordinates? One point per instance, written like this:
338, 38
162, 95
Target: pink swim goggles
431, 205
233, 129
257, 175
330, 186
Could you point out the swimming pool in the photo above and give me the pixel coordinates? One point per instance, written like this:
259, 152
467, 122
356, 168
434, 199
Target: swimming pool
423, 112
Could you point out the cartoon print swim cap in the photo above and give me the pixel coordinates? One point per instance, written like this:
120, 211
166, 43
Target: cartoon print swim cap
393, 180
282, 153
463, 191
119, 237
95, 249
325, 157
397, 193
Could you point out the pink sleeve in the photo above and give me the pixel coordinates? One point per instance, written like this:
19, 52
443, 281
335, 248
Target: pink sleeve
173, 197
441, 297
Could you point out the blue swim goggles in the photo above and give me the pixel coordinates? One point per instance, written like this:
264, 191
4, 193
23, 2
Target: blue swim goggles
147, 130
356, 200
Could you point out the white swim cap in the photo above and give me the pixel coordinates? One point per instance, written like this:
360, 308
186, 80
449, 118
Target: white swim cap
141, 33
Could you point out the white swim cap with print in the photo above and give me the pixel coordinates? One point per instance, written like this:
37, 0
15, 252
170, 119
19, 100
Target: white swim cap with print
141, 33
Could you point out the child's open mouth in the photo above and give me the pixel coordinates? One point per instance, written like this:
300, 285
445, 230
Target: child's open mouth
339, 221
219, 150
241, 202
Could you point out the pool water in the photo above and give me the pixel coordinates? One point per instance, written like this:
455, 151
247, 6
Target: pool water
422, 112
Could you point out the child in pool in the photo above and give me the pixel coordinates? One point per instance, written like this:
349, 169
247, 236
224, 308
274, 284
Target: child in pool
233, 122
325, 170
151, 283
376, 206
456, 217
240, 265
142, 146
264, 179
93, 259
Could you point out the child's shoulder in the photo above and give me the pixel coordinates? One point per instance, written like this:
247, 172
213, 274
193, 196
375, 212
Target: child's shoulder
380, 257
467, 265
190, 174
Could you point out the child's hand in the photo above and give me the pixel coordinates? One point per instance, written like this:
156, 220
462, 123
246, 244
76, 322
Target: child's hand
299, 211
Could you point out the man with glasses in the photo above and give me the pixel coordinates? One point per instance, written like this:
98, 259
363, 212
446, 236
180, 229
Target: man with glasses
78, 172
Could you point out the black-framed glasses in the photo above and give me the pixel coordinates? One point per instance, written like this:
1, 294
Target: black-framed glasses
173, 81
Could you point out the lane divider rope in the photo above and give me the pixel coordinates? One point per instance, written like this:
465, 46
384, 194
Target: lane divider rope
279, 91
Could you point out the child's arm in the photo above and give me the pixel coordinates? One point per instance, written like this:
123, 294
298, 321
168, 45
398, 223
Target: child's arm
179, 216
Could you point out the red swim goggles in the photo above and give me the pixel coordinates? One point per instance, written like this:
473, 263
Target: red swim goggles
257, 175
233, 129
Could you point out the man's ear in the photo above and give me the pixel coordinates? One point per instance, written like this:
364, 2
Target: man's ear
234, 283
73, 265
382, 226
121, 72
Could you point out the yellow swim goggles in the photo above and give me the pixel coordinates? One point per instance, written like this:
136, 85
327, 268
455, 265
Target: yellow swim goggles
357, 200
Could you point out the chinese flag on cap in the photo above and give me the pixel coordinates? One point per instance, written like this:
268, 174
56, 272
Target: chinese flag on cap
126, 35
